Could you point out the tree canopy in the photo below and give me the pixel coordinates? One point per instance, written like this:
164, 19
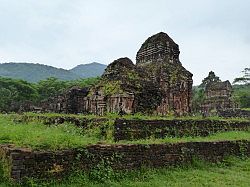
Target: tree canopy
15, 93
245, 79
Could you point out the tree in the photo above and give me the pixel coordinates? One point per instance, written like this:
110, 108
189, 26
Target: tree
245, 79
84, 82
241, 94
197, 99
50, 87
210, 78
5, 99
53, 86
244, 100
14, 93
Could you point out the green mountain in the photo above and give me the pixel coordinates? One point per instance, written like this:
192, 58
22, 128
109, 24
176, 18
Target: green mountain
36, 72
89, 70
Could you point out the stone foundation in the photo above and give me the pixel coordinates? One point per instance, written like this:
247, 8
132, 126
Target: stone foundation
142, 129
25, 163
229, 113
54, 120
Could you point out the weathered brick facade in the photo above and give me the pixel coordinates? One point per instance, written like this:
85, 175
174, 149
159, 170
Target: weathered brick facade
71, 101
159, 55
218, 95
158, 84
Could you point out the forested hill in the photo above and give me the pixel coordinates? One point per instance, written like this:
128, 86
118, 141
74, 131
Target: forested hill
89, 70
36, 72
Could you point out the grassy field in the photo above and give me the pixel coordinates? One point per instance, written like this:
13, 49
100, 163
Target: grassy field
230, 172
35, 135
233, 135
39, 136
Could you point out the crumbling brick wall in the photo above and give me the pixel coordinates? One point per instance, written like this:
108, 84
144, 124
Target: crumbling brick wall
71, 101
229, 113
43, 164
143, 129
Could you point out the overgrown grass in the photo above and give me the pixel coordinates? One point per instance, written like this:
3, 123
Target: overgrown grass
222, 136
89, 116
38, 136
136, 116
230, 172
247, 109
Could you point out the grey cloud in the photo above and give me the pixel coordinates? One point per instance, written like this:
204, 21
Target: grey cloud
211, 34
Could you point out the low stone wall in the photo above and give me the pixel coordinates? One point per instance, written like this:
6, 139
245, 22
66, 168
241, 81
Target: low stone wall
25, 163
51, 120
228, 113
142, 129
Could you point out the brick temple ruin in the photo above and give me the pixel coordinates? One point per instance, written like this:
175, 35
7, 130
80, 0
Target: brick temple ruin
70, 101
156, 84
218, 96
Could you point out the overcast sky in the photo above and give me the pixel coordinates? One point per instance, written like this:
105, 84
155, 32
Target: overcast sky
212, 34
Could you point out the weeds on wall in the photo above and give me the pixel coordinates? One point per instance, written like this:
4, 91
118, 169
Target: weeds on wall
4, 169
231, 171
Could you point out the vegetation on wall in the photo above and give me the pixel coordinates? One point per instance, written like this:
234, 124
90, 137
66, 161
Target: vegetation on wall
231, 172
111, 88
33, 133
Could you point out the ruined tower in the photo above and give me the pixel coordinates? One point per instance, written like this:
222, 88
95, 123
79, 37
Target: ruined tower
218, 96
156, 84
158, 47
159, 56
